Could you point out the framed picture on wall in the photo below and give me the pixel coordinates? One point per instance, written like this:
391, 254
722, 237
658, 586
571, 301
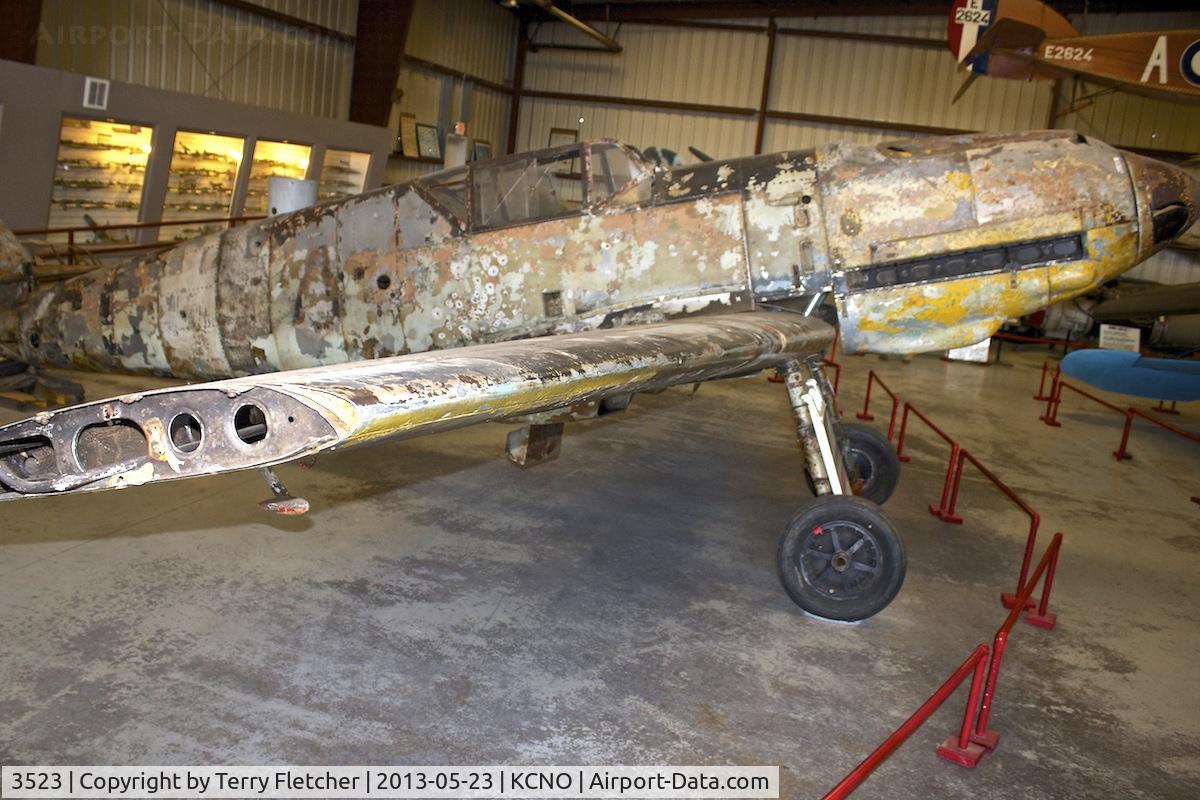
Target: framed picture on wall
483, 150
561, 136
428, 144
408, 135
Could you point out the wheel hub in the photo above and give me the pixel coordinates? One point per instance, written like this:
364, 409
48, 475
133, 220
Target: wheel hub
840, 559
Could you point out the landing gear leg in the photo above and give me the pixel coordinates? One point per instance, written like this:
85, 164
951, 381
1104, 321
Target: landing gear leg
840, 557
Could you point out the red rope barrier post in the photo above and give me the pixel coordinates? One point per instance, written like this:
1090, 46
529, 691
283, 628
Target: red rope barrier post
945, 510
900, 439
837, 373
892, 420
961, 750
857, 775
1041, 395
1121, 453
1049, 561
1160, 408
866, 414
1045, 618
1052, 404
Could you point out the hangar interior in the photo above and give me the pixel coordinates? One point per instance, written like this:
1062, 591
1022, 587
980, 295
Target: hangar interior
619, 604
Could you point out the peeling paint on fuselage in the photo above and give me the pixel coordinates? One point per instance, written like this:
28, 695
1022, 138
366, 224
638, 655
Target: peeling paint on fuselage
394, 271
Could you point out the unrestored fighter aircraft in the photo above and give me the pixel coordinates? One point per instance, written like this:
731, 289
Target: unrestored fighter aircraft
339, 319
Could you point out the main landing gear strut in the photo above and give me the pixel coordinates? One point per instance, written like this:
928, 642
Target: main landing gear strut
840, 557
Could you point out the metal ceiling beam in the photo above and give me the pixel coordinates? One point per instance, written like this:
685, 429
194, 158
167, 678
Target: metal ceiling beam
616, 11
19, 33
606, 42
749, 9
287, 19
378, 55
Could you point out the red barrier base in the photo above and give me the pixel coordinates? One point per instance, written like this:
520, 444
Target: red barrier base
1053, 423
953, 519
965, 757
1039, 621
1009, 600
987, 740
1119, 456
869, 417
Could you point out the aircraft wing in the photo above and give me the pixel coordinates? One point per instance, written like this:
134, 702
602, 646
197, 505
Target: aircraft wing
245, 423
1133, 374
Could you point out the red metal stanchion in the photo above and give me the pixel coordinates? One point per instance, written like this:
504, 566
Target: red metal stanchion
1121, 454
1041, 392
945, 509
961, 750
1160, 408
866, 414
940, 511
1048, 564
857, 775
1050, 417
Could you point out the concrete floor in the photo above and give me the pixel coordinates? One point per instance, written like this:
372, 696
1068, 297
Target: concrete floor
440, 605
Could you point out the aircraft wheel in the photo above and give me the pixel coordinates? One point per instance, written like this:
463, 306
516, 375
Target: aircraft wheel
840, 558
874, 469
871, 461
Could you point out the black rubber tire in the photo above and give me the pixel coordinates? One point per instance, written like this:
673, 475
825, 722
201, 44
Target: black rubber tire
870, 458
840, 558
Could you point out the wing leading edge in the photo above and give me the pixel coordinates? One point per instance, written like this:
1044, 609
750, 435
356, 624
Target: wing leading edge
246, 423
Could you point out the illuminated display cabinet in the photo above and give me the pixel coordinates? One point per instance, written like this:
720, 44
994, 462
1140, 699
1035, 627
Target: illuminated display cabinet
151, 156
98, 177
204, 168
343, 172
273, 159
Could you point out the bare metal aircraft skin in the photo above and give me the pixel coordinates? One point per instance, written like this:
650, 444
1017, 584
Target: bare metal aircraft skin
926, 244
558, 283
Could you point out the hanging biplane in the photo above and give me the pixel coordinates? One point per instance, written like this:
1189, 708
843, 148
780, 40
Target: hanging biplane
552, 286
1028, 40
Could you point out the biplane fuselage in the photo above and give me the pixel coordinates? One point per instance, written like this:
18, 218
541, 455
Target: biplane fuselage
925, 244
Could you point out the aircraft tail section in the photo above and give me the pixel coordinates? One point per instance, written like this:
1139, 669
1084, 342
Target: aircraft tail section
981, 33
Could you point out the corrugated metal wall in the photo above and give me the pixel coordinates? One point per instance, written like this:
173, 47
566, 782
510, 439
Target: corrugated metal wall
200, 47
474, 37
894, 85
658, 63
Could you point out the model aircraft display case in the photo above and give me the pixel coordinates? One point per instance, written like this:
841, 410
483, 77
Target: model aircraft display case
136, 155
344, 172
201, 182
273, 159
98, 176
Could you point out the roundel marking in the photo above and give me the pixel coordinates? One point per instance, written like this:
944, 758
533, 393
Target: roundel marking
1189, 63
